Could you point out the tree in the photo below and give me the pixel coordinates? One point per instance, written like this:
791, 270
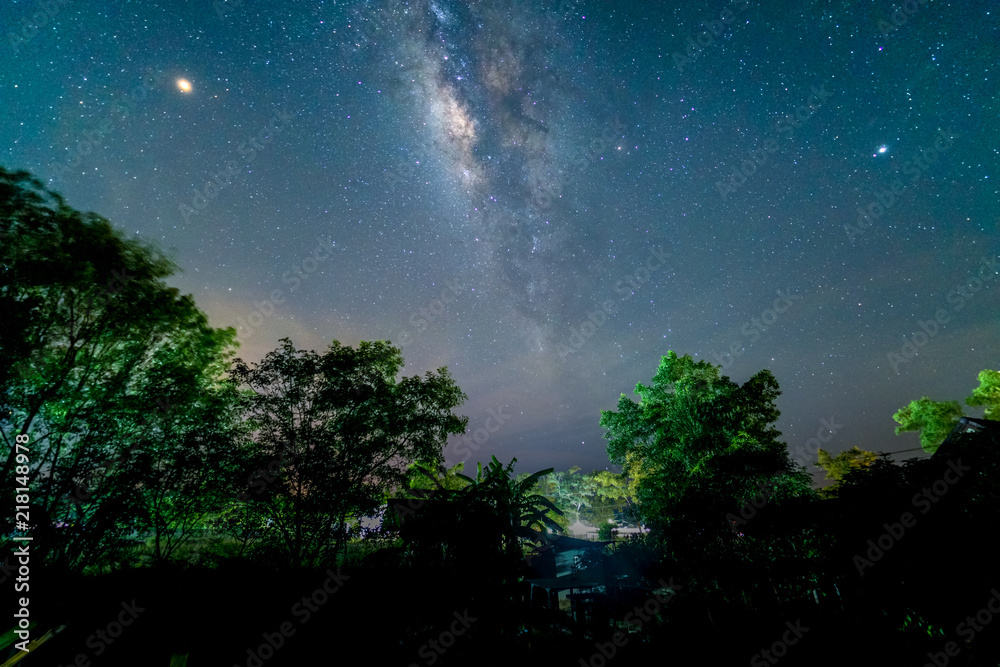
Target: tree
987, 394
696, 445
421, 477
570, 491
334, 435
614, 487
934, 420
187, 472
837, 467
89, 322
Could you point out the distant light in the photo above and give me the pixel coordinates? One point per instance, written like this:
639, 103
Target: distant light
184, 85
882, 149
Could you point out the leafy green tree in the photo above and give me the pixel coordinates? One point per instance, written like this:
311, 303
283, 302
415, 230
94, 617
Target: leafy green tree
450, 478
89, 322
187, 472
696, 445
837, 467
523, 513
987, 394
614, 488
333, 435
934, 420
475, 533
570, 491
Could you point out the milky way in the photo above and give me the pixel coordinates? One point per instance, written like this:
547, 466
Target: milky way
546, 197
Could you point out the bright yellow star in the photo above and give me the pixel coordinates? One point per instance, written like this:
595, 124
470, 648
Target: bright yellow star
184, 85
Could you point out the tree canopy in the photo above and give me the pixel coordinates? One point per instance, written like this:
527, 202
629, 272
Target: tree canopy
334, 435
100, 359
934, 420
697, 443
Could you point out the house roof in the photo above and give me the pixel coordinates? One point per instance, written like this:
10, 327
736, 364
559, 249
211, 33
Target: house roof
967, 425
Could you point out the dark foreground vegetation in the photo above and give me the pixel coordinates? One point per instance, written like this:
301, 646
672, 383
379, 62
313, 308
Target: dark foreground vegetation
186, 508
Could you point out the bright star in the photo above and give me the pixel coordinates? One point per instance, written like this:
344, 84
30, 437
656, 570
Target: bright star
883, 149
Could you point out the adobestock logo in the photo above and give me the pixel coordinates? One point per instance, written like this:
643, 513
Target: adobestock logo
751, 505
824, 434
785, 125
224, 178
921, 161
435, 648
472, 441
599, 315
302, 610
543, 194
900, 17
698, 42
924, 500
779, 649
639, 615
422, 318
753, 327
988, 270
262, 310
30, 26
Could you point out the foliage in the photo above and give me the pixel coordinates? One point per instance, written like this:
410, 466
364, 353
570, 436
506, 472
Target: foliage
837, 467
934, 420
93, 342
522, 512
334, 435
569, 490
604, 532
987, 394
696, 445
614, 488
421, 477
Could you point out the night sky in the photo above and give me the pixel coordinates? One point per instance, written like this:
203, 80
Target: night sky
547, 197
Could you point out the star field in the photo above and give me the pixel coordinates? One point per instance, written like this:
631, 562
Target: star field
546, 197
